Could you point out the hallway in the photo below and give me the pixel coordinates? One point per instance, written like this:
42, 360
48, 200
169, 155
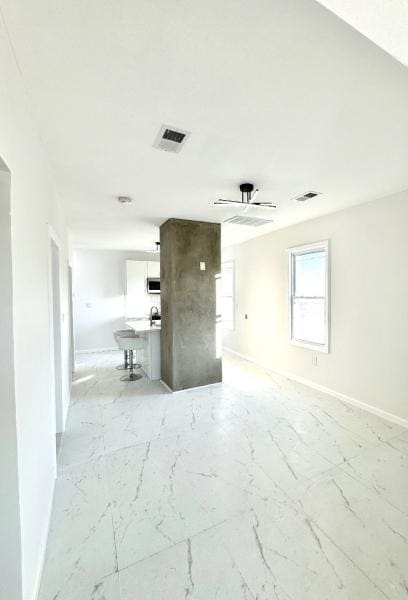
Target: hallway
257, 488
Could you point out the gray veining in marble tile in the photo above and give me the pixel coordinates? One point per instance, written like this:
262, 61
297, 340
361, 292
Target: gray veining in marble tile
255, 489
367, 530
81, 551
384, 469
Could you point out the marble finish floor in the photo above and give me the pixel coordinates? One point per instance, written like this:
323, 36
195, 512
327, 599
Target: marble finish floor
255, 489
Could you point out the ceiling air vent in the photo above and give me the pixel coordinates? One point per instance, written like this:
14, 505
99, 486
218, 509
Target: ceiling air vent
170, 139
307, 196
249, 221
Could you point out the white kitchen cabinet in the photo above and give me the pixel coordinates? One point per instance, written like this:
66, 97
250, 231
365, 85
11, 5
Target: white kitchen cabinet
136, 302
153, 268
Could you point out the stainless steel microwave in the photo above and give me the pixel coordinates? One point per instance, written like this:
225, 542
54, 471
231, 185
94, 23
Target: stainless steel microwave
153, 285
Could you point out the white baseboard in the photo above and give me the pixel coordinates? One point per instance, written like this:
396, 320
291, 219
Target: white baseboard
321, 388
166, 386
92, 350
43, 547
197, 387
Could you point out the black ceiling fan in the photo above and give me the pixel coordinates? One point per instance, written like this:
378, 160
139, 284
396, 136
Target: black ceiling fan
248, 195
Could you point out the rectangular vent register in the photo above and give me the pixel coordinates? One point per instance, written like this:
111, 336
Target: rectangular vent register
170, 139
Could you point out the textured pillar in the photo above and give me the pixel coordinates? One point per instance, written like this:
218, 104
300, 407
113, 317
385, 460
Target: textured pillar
188, 303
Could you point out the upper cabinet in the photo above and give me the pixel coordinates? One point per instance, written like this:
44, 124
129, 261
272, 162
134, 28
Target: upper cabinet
153, 268
138, 301
136, 273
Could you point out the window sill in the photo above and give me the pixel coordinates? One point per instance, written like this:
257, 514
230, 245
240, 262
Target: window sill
324, 348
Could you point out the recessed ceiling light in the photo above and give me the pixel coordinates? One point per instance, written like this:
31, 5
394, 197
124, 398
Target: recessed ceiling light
124, 199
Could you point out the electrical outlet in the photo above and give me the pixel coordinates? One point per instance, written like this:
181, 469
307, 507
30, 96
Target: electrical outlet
314, 360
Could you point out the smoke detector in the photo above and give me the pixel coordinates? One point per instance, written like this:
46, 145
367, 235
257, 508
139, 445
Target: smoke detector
124, 199
307, 196
170, 139
249, 221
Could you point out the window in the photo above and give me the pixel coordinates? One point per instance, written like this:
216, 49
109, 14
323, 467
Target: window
309, 296
227, 294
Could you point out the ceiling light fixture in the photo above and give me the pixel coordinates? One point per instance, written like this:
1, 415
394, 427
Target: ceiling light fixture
248, 195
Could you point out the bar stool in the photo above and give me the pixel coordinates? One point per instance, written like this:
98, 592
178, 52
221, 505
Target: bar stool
131, 344
123, 333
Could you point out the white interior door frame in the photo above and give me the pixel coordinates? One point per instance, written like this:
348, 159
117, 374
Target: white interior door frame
58, 401
10, 522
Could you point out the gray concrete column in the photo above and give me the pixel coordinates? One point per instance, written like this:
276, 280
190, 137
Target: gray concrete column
188, 303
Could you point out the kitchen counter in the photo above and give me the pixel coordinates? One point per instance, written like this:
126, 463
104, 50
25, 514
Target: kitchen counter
149, 356
142, 325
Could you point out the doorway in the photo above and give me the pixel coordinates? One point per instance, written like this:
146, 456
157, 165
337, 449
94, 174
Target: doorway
71, 326
56, 337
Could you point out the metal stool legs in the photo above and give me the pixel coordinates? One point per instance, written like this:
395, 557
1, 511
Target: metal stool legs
132, 376
125, 365
124, 333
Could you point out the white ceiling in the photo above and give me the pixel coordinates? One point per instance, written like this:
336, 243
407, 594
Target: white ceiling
280, 93
385, 22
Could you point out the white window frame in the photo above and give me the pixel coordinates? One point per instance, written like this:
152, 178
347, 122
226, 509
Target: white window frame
292, 253
232, 262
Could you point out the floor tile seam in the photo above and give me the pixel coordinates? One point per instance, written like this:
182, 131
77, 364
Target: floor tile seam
108, 509
398, 437
62, 469
255, 501
227, 550
156, 438
330, 463
108, 452
180, 542
255, 597
345, 461
170, 546
373, 446
172, 435
320, 477
363, 483
380, 497
310, 518
358, 437
351, 560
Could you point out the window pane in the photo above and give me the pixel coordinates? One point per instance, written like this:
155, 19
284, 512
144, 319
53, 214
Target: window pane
308, 320
310, 274
227, 295
227, 279
227, 311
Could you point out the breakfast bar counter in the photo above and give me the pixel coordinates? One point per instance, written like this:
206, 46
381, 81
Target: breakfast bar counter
149, 356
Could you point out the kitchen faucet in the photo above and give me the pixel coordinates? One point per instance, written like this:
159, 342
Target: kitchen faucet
156, 312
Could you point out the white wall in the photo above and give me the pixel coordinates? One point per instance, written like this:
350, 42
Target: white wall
10, 542
99, 287
369, 298
34, 207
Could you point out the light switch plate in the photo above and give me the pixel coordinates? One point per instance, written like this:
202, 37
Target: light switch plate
202, 266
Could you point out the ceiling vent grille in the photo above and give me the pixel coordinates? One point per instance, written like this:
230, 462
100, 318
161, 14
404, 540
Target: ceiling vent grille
170, 139
307, 196
249, 221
